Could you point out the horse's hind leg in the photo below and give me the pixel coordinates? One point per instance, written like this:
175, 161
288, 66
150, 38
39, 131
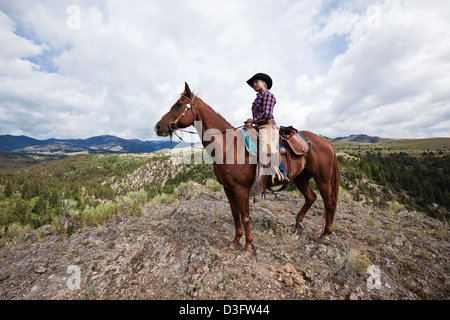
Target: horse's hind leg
302, 183
237, 219
330, 203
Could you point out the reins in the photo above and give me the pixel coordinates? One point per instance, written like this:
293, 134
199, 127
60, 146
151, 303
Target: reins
173, 125
190, 106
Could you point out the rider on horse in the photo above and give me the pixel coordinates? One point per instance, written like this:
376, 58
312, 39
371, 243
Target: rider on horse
263, 119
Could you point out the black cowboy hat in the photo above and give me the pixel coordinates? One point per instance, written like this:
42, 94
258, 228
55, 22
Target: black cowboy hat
261, 76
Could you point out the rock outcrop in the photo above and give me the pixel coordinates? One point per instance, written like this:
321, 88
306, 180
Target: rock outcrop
181, 250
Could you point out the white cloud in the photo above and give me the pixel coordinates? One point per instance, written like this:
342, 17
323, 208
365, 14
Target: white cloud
390, 80
13, 45
340, 23
374, 67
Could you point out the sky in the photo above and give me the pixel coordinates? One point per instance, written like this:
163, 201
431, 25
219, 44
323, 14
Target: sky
77, 69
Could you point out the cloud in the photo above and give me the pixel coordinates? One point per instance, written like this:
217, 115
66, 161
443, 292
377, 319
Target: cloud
339, 23
114, 67
390, 81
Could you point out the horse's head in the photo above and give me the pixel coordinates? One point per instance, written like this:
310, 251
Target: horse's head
181, 115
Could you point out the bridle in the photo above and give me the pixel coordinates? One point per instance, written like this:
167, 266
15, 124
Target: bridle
174, 125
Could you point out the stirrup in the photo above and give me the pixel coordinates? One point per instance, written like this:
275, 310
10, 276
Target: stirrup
277, 177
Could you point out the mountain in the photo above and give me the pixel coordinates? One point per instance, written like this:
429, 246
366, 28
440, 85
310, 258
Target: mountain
98, 144
363, 138
9, 142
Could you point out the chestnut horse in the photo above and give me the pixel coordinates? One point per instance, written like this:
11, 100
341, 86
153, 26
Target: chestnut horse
237, 179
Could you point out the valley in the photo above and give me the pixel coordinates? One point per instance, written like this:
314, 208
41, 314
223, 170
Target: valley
142, 227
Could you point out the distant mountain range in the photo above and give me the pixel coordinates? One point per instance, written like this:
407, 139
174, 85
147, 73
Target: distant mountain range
112, 144
360, 138
99, 144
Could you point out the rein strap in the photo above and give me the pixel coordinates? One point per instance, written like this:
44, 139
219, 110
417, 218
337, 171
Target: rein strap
173, 125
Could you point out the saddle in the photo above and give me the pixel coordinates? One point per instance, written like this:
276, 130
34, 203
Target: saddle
292, 144
294, 141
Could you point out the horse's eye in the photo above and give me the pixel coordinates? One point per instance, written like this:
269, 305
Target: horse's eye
179, 104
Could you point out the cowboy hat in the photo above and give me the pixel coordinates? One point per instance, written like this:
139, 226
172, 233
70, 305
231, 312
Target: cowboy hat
261, 76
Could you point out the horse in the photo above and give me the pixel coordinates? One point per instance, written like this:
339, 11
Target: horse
319, 164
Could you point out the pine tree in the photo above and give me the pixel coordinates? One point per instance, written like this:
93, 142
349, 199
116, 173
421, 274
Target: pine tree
25, 191
40, 207
54, 200
8, 189
21, 212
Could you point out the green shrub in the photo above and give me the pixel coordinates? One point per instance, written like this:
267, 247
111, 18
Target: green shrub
15, 231
98, 215
394, 207
213, 185
357, 261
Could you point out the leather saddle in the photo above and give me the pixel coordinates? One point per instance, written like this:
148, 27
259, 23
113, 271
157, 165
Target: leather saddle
292, 139
292, 144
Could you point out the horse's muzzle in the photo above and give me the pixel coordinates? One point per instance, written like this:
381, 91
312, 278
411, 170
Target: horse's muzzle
162, 131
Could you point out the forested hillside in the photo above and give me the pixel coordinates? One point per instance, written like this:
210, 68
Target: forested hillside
141, 226
419, 183
36, 190
90, 187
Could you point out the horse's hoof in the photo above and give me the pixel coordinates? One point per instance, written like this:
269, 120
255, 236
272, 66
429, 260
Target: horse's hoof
299, 227
253, 250
249, 251
235, 246
323, 240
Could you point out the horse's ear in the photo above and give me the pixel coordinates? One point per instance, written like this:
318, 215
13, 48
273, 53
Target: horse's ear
187, 90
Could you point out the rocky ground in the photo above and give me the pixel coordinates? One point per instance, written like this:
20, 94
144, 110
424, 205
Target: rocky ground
181, 250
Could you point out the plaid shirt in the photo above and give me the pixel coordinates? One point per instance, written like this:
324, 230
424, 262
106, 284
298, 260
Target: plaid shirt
262, 108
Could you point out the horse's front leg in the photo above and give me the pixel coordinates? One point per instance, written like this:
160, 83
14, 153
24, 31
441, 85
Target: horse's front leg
237, 219
242, 199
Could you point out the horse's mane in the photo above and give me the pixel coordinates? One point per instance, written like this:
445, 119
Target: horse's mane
212, 114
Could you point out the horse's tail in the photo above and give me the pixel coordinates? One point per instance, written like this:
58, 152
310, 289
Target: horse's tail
335, 180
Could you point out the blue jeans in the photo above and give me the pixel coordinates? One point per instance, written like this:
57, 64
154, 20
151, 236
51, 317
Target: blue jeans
283, 169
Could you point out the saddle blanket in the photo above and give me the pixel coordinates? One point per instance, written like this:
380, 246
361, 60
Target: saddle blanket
252, 144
